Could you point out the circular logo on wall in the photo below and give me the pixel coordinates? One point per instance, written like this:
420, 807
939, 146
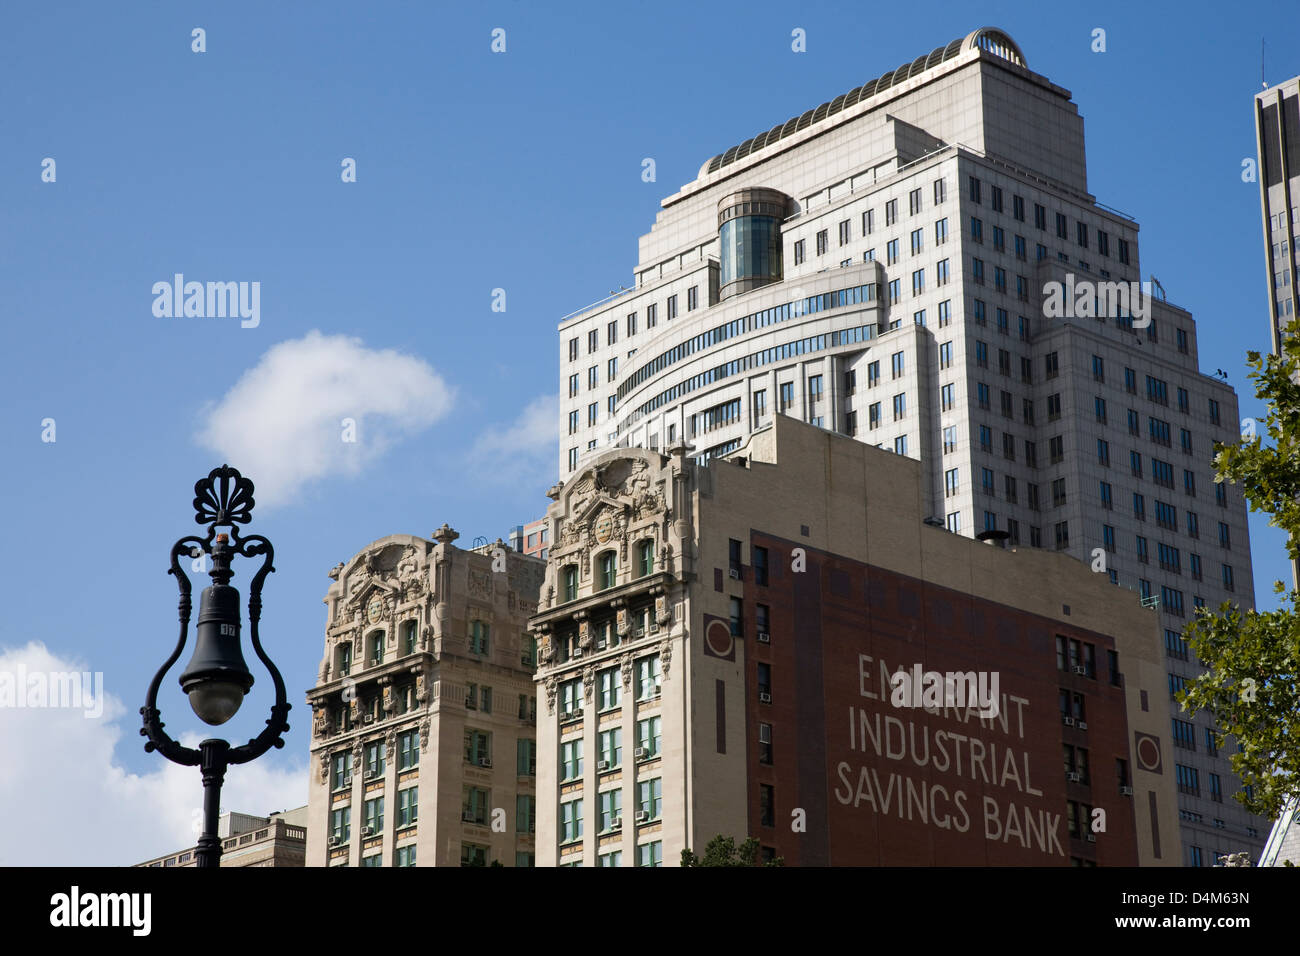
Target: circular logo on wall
375, 609
718, 638
603, 528
1147, 749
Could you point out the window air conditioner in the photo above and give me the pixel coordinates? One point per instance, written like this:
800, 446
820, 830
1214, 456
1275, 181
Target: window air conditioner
764, 637
764, 698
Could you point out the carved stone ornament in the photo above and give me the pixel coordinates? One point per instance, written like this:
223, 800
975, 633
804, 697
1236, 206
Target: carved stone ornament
408, 567
424, 733
584, 635
550, 695
419, 688
588, 681
625, 662
390, 745
546, 649
388, 699
324, 767
624, 623
662, 614
319, 723
480, 583
665, 656
356, 753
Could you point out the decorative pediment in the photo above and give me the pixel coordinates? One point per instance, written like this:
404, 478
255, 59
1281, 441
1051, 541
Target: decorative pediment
374, 603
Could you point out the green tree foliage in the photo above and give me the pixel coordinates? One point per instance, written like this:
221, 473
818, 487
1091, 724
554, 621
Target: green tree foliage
722, 851
1252, 658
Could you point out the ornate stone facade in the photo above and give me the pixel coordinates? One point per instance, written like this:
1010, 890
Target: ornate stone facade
413, 625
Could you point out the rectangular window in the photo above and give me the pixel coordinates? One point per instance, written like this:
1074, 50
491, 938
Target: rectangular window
408, 750
571, 821
649, 676
891, 212
940, 191
649, 799
647, 738
610, 811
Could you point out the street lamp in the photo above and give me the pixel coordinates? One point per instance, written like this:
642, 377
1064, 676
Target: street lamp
216, 678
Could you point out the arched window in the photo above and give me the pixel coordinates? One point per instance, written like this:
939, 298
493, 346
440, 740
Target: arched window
570, 582
645, 558
607, 571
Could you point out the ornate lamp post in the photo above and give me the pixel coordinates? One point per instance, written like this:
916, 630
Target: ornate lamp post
217, 678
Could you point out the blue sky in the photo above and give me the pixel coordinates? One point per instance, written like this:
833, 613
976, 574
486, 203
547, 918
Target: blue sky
475, 171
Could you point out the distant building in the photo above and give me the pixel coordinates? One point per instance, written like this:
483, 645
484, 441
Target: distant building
422, 746
1284, 840
1277, 131
279, 839
717, 645
531, 539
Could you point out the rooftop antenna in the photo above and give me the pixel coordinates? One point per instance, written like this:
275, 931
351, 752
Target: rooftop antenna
1262, 82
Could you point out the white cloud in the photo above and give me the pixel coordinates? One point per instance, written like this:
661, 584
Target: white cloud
281, 423
67, 802
521, 455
